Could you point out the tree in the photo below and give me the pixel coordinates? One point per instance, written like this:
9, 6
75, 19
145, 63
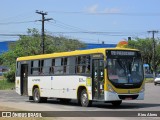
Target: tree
31, 45
146, 48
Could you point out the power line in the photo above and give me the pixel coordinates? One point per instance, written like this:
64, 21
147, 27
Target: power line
11, 34
78, 30
99, 33
67, 26
87, 31
21, 15
108, 33
7, 23
106, 13
71, 26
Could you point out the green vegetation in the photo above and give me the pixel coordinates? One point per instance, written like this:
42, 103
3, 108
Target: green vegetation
5, 85
31, 45
10, 75
149, 80
146, 48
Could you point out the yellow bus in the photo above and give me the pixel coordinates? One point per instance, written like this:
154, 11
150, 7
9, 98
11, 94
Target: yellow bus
104, 74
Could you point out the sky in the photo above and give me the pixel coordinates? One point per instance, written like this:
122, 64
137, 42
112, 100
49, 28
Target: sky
90, 21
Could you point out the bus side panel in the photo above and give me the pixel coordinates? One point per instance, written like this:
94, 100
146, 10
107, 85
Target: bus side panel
18, 85
66, 86
58, 86
42, 82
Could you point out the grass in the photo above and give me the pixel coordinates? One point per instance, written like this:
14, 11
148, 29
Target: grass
149, 80
4, 85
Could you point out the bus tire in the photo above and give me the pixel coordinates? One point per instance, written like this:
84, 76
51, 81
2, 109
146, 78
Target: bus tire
30, 97
36, 96
116, 103
84, 101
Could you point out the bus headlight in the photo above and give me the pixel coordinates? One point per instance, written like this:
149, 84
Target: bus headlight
110, 89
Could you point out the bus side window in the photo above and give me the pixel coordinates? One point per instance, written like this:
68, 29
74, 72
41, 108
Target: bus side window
65, 65
71, 68
58, 69
88, 64
35, 67
83, 64
18, 69
46, 66
52, 66
41, 64
79, 63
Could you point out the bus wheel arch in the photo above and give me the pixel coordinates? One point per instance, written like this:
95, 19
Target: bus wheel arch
82, 97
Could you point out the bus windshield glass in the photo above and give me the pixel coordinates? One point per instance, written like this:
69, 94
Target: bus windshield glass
124, 67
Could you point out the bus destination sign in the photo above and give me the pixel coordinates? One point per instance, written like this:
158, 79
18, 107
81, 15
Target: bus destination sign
122, 53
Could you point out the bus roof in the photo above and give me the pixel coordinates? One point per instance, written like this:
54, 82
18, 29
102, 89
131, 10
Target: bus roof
70, 53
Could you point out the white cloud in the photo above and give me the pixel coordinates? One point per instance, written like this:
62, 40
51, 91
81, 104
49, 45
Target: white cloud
92, 9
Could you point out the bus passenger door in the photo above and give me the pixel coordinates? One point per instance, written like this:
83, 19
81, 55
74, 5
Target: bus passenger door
98, 79
24, 79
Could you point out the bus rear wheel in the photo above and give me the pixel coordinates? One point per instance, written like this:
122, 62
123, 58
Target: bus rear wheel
85, 102
36, 95
116, 103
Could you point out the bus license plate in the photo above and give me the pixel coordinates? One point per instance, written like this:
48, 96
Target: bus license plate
128, 98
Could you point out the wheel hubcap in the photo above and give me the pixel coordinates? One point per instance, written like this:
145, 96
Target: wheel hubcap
84, 98
36, 95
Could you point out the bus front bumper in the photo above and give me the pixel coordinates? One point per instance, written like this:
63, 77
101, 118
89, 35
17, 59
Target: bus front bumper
112, 96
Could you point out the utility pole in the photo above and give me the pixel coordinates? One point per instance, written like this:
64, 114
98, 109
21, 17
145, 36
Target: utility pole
43, 34
154, 52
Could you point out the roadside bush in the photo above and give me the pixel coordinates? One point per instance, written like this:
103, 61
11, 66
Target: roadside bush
10, 76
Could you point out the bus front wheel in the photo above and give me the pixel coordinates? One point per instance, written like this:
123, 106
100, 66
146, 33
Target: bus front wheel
85, 102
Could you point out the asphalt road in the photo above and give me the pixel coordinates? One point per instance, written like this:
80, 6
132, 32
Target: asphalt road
150, 103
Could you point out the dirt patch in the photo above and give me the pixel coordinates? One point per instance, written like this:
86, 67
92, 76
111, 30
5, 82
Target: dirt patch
2, 108
1, 77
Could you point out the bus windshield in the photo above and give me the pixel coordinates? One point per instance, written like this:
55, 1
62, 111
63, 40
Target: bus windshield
126, 69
